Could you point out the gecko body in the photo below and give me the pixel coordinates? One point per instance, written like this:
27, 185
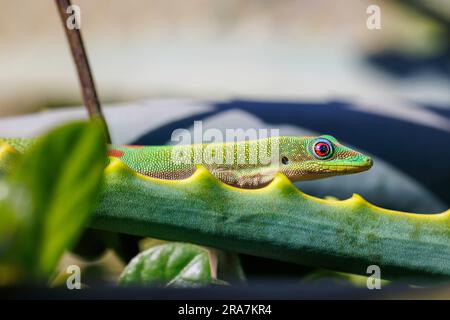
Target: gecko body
247, 164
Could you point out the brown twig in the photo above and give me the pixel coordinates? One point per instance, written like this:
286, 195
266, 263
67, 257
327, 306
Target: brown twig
85, 77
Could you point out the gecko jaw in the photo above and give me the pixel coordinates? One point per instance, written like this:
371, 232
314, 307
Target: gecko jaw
347, 168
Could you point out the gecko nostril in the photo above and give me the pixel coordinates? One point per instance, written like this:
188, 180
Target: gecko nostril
369, 162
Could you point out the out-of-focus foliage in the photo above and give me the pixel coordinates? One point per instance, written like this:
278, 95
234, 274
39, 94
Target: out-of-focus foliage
46, 199
339, 278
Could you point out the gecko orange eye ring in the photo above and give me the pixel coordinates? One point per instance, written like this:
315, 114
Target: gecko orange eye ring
322, 149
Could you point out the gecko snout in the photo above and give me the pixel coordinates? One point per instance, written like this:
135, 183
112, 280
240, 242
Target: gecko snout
368, 162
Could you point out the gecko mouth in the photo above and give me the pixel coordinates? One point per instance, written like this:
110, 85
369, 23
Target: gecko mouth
347, 168
344, 168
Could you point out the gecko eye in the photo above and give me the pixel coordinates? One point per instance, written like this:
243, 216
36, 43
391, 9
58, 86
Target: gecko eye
285, 160
323, 149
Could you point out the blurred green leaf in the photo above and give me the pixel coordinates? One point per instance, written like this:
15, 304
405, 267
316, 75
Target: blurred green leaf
341, 278
229, 267
8, 158
8, 222
53, 190
171, 264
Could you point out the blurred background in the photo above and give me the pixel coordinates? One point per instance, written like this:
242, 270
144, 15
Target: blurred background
304, 67
142, 49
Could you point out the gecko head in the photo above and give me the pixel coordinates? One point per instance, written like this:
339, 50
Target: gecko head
307, 158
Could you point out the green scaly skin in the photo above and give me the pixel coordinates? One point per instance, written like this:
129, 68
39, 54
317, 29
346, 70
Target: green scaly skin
276, 220
253, 169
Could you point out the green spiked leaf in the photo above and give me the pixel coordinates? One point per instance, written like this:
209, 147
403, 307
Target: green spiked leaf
277, 221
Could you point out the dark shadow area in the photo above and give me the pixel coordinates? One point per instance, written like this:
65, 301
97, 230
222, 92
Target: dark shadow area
403, 66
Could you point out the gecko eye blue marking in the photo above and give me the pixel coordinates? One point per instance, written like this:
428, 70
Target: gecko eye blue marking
322, 148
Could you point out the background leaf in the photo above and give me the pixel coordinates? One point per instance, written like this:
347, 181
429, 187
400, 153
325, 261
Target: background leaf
54, 189
170, 264
8, 158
